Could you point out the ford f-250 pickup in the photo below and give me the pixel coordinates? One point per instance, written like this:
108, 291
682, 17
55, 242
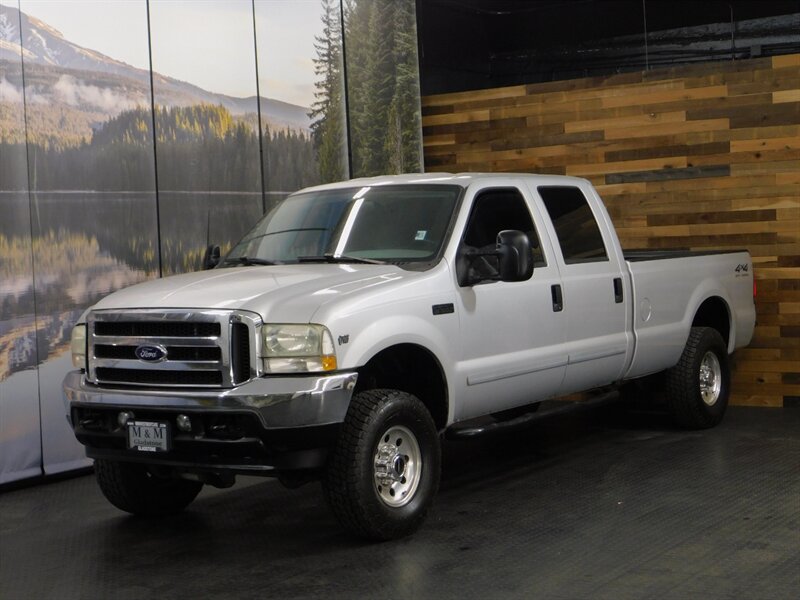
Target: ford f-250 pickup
358, 322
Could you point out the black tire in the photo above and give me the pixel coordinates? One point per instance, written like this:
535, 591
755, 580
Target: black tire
132, 488
352, 484
685, 387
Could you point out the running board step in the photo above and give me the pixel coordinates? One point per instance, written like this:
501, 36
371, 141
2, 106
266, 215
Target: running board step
470, 429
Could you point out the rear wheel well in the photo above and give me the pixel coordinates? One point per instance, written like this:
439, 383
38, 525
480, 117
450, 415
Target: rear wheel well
714, 313
409, 368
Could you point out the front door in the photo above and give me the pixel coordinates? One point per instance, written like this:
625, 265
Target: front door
511, 337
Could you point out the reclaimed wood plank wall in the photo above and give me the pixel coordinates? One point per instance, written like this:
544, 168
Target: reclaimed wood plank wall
701, 157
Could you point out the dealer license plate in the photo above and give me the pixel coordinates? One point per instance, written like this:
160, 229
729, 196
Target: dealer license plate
148, 436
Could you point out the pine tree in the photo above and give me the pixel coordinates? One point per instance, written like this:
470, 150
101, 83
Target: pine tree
327, 111
357, 21
403, 143
383, 86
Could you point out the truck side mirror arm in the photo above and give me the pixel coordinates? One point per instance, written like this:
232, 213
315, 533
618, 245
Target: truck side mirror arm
211, 257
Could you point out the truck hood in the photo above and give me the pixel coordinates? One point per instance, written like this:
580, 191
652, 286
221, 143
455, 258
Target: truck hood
281, 293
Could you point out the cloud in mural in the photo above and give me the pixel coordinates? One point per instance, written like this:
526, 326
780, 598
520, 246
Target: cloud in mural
9, 92
74, 92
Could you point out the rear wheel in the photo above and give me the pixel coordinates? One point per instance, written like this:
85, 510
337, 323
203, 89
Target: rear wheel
133, 488
384, 471
698, 386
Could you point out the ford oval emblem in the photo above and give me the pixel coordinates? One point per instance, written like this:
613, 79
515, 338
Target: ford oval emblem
151, 353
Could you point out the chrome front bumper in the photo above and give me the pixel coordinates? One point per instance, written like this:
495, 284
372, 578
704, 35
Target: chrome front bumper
280, 402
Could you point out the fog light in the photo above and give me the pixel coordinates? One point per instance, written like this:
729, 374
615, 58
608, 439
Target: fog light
124, 417
184, 423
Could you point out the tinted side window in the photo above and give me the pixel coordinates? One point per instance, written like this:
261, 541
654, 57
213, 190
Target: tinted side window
575, 225
497, 210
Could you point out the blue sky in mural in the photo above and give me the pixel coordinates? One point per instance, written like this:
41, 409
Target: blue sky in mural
284, 30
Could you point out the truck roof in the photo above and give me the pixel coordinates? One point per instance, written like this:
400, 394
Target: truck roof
462, 179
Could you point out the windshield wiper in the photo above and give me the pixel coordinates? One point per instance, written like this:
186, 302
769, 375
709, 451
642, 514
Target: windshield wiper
263, 235
248, 261
340, 258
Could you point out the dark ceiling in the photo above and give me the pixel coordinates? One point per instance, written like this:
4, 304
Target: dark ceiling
471, 44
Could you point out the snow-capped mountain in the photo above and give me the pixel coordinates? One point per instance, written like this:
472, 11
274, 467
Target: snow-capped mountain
67, 76
46, 45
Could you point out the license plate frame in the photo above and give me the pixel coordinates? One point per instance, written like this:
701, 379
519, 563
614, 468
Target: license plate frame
149, 436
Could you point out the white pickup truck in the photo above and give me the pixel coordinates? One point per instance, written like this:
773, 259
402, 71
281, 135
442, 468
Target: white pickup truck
358, 322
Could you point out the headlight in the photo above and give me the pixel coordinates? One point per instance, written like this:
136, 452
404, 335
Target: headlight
290, 348
78, 346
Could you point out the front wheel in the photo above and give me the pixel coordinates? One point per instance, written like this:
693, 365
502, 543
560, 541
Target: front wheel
133, 488
384, 471
698, 386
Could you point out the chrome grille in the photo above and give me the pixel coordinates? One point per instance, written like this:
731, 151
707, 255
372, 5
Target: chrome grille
158, 329
201, 348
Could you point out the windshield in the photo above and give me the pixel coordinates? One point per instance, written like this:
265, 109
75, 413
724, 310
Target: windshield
393, 224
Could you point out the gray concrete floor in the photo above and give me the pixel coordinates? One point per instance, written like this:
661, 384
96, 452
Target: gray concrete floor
597, 505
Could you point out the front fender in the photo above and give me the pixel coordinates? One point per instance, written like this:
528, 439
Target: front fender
438, 338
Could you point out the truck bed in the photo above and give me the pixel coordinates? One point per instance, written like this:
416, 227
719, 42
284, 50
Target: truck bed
638, 255
667, 293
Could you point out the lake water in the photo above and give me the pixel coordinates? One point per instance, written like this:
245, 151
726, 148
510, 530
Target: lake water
86, 245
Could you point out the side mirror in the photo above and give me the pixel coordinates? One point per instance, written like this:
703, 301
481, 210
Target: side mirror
211, 258
516, 256
511, 259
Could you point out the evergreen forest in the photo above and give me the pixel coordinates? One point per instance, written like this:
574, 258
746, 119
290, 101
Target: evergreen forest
199, 148
382, 92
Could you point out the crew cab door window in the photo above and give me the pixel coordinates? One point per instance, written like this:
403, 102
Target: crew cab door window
494, 211
575, 225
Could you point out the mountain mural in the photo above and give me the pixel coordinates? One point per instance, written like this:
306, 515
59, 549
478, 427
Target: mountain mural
97, 87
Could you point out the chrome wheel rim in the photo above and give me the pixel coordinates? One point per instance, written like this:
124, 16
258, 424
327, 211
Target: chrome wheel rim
397, 466
710, 378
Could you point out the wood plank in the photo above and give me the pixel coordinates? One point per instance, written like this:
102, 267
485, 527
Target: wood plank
646, 120
717, 91
644, 148
759, 87
787, 60
627, 166
772, 115
789, 308
666, 128
709, 218
754, 133
453, 98
439, 140
788, 166
452, 118
774, 401
758, 156
786, 96
778, 143
527, 110
790, 178
711, 229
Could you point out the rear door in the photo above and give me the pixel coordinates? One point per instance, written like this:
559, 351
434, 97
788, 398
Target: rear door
594, 288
